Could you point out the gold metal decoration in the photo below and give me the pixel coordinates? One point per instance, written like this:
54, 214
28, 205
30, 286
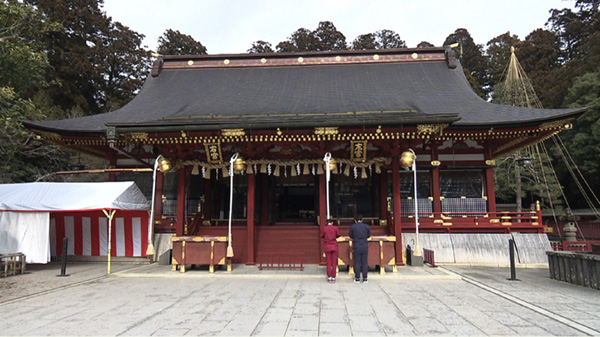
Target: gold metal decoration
190, 62
568, 126
263, 60
233, 132
490, 162
213, 153
49, 135
555, 124
239, 164
375, 57
415, 56
138, 136
358, 150
279, 133
326, 130
431, 128
332, 164
164, 165
407, 158
338, 58
435, 163
226, 61
300, 59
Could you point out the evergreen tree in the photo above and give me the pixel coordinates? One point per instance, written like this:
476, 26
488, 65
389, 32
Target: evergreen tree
174, 42
24, 64
261, 47
473, 60
382, 39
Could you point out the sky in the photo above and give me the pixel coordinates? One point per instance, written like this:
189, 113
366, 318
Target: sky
231, 26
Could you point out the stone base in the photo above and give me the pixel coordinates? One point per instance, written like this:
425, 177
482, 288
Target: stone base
578, 268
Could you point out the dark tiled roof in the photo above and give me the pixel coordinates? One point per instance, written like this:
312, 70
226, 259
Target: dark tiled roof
355, 94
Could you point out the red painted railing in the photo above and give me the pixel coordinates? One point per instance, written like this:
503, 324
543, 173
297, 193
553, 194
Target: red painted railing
463, 222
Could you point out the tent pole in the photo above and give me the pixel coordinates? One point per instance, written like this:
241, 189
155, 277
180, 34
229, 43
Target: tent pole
110, 217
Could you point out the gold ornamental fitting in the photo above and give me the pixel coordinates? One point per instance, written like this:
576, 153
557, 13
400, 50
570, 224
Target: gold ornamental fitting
239, 164
164, 165
407, 159
332, 164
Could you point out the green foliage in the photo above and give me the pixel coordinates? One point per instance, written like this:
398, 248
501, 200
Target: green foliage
382, 39
261, 47
473, 60
325, 37
90, 56
537, 182
174, 42
425, 44
582, 142
23, 65
498, 53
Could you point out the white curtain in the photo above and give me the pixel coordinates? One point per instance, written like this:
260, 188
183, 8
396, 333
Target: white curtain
27, 233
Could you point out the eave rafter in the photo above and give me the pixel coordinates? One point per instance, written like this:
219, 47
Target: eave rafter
506, 139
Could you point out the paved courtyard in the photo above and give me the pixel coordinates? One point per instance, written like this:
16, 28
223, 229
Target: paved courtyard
153, 300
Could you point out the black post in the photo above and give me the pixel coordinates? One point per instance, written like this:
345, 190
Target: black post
63, 267
511, 244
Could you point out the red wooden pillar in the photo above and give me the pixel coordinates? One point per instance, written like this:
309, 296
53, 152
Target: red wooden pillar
250, 218
435, 190
264, 200
490, 191
383, 187
397, 217
181, 178
322, 212
112, 160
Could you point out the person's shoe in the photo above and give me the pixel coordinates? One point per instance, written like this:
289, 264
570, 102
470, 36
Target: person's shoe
356, 280
333, 280
365, 281
329, 279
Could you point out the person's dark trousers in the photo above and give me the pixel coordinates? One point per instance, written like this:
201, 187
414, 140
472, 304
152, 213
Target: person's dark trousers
361, 259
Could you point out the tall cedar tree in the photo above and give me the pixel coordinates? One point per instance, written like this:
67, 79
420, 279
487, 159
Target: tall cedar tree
382, 39
173, 42
325, 37
82, 79
473, 60
23, 63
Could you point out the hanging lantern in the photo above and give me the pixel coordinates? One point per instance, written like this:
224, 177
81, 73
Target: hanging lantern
239, 164
524, 161
164, 165
407, 159
332, 165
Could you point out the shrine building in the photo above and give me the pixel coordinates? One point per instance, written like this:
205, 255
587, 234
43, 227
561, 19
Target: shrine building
279, 115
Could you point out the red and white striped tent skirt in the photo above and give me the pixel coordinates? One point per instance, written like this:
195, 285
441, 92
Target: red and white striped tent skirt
87, 233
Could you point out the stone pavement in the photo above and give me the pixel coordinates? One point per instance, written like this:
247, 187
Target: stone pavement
153, 300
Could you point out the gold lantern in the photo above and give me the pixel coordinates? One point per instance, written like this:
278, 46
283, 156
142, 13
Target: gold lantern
239, 164
407, 159
332, 164
164, 165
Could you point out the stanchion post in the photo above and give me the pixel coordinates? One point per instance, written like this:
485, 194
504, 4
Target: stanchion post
63, 265
513, 274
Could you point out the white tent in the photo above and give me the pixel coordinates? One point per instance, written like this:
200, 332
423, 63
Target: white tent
25, 210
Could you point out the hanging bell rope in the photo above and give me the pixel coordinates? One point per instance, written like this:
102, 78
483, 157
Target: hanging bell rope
229, 245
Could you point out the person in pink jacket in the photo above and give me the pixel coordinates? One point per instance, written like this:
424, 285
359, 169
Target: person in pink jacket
329, 234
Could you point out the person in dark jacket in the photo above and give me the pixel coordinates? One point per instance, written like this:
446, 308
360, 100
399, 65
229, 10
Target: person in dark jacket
360, 232
330, 233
